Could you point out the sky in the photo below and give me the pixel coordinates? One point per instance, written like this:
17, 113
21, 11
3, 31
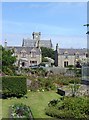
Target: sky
62, 22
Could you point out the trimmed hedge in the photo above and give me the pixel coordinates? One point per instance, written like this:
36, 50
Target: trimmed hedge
14, 86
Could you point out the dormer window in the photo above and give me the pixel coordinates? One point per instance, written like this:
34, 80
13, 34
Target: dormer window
66, 55
23, 53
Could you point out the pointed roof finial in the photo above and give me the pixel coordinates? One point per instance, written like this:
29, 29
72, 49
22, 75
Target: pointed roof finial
5, 44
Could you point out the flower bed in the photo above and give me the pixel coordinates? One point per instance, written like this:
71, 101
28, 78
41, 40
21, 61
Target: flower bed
21, 111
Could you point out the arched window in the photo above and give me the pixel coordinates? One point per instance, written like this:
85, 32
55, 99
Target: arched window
23, 64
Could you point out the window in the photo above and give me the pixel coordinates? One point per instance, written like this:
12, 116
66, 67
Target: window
23, 54
65, 63
76, 55
23, 64
33, 54
33, 62
86, 54
66, 55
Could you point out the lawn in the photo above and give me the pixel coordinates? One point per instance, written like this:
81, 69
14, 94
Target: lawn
36, 100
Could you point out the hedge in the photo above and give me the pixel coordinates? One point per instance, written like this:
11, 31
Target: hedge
14, 86
69, 108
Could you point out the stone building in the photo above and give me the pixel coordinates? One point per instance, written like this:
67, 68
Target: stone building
65, 57
29, 54
26, 56
36, 40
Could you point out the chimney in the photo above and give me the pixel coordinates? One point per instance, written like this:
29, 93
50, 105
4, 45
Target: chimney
57, 48
5, 45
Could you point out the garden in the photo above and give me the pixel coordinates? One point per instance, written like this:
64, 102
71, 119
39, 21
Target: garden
69, 108
37, 101
40, 98
33, 93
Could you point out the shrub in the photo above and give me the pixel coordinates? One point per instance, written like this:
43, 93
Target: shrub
21, 111
35, 85
14, 86
68, 108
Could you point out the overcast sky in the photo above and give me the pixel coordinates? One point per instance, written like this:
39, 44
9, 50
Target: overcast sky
60, 22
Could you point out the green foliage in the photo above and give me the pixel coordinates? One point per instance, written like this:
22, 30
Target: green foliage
47, 52
53, 102
8, 61
74, 87
69, 107
0, 57
14, 86
65, 80
70, 67
50, 82
35, 85
21, 111
42, 83
44, 59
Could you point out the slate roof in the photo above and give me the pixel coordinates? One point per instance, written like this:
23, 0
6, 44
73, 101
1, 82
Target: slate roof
28, 42
72, 51
27, 49
31, 43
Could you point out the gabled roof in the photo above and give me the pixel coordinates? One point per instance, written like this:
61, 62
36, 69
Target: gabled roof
31, 43
72, 51
27, 49
28, 42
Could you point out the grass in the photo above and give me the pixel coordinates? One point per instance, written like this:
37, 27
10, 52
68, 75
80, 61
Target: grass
0, 109
36, 100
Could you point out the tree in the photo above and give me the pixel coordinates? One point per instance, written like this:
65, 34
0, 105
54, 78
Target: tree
0, 58
8, 61
47, 52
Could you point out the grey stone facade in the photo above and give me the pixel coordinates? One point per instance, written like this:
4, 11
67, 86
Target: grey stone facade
27, 56
66, 57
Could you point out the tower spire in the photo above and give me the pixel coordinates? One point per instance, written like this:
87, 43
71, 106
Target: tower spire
5, 44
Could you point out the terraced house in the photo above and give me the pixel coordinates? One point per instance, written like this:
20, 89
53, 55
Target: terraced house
65, 56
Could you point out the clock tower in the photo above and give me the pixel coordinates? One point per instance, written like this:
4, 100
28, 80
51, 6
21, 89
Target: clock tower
36, 35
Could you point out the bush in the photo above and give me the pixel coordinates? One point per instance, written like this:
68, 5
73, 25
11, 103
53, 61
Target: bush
69, 107
14, 86
21, 111
35, 85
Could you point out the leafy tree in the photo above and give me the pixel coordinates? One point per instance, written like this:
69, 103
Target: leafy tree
47, 52
0, 57
44, 59
8, 61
